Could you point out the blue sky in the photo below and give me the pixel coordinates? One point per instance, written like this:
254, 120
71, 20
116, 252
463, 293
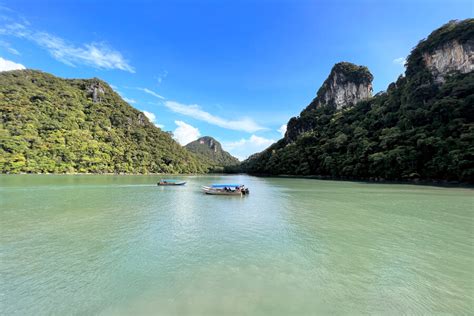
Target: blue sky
234, 70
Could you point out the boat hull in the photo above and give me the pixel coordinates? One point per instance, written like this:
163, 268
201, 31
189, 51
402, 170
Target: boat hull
223, 193
211, 191
171, 184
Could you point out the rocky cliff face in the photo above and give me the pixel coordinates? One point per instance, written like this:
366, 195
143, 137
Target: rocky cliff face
450, 57
346, 85
446, 51
95, 90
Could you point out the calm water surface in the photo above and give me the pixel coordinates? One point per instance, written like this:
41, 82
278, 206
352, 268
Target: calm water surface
120, 245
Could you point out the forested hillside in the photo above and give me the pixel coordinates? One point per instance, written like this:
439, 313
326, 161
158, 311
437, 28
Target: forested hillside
210, 151
54, 125
422, 127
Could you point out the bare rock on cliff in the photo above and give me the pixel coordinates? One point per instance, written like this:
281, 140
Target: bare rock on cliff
95, 90
447, 50
346, 85
450, 57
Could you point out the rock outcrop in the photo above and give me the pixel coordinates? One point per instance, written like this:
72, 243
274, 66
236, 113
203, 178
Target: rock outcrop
346, 85
450, 57
446, 51
95, 90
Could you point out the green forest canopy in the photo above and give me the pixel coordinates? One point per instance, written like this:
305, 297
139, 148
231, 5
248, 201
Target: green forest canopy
54, 125
416, 129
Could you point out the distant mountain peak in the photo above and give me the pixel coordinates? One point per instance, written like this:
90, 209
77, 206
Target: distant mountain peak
210, 149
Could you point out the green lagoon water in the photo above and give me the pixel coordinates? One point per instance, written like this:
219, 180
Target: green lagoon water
120, 245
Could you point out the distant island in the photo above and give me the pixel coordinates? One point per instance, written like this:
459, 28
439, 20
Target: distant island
422, 127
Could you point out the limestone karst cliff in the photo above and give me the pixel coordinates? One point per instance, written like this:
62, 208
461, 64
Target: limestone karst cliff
450, 57
346, 85
420, 128
446, 51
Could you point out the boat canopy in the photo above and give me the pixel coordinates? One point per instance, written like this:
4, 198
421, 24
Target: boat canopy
226, 185
169, 180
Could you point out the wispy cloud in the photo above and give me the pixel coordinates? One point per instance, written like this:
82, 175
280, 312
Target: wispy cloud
194, 111
6, 65
4, 8
185, 133
245, 147
400, 61
153, 93
152, 118
9, 48
97, 55
282, 130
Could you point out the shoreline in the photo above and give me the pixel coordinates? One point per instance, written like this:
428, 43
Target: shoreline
112, 174
431, 182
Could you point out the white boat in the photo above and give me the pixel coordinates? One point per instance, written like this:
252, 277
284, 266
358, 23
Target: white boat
226, 189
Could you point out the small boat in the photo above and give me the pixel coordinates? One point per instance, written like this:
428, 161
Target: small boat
226, 189
171, 182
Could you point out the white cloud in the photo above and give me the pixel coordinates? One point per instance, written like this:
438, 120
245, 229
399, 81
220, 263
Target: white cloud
152, 118
149, 115
6, 65
153, 93
98, 55
400, 61
9, 48
131, 101
194, 111
185, 133
245, 147
282, 130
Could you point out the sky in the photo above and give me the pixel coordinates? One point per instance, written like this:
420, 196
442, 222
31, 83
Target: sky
233, 70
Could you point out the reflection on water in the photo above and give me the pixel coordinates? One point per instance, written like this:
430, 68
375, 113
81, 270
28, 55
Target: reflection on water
122, 245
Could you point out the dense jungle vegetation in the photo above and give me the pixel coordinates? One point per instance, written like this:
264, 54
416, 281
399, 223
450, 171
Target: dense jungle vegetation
417, 129
54, 125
